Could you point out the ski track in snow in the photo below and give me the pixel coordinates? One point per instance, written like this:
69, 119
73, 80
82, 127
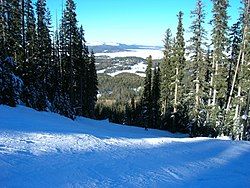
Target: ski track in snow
40, 149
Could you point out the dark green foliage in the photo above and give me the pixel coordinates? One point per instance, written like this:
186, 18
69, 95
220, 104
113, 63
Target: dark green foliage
69, 42
180, 41
91, 89
10, 84
78, 67
180, 79
81, 77
220, 63
156, 99
29, 66
42, 57
60, 102
231, 122
174, 79
12, 30
167, 73
234, 47
244, 73
61, 105
198, 67
121, 87
119, 96
147, 96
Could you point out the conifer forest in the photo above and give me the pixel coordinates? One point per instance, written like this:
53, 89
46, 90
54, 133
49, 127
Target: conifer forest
200, 87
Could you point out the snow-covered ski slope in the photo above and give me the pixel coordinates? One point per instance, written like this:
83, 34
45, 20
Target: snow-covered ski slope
41, 149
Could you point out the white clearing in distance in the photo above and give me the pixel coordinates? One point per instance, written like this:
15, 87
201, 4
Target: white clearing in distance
42, 149
143, 53
138, 69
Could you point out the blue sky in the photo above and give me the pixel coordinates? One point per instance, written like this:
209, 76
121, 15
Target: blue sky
135, 21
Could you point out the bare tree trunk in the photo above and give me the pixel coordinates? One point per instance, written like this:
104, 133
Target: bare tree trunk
215, 90
237, 106
197, 90
237, 112
234, 80
211, 84
245, 124
176, 90
165, 106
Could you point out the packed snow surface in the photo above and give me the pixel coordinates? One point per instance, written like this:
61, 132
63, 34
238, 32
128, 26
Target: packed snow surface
41, 149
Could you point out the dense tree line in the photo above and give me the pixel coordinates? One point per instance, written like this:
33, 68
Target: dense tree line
45, 70
121, 87
119, 97
208, 94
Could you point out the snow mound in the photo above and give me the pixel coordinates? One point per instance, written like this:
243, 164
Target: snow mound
42, 149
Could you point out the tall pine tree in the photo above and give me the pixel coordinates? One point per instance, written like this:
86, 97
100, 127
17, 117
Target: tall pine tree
167, 73
156, 98
197, 70
69, 41
147, 96
179, 64
43, 46
219, 64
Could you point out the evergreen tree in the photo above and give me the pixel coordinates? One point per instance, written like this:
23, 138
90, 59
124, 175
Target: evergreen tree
128, 115
234, 49
43, 46
179, 78
232, 121
156, 98
197, 69
10, 30
82, 71
81, 75
133, 111
179, 62
220, 63
13, 35
238, 107
10, 84
92, 84
167, 73
2, 29
147, 96
60, 100
28, 69
69, 41
244, 84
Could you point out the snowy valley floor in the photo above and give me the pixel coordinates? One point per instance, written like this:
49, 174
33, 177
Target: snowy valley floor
40, 149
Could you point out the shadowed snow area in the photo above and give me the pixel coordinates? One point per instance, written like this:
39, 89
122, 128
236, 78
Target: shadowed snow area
41, 149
